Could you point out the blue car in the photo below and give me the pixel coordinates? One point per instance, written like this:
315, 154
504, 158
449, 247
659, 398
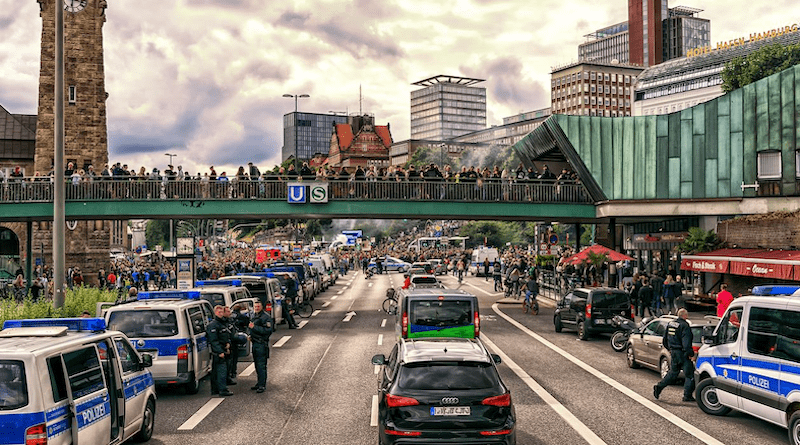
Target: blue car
390, 264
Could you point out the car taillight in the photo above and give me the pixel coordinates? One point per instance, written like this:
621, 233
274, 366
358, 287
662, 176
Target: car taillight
402, 433
183, 352
495, 433
36, 435
588, 311
633, 312
397, 401
477, 324
405, 324
502, 400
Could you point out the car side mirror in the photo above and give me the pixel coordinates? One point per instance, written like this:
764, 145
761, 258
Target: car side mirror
708, 335
497, 359
147, 361
379, 359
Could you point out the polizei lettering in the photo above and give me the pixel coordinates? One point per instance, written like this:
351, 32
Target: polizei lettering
758, 381
94, 413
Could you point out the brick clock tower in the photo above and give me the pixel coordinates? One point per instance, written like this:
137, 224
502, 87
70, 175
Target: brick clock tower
85, 127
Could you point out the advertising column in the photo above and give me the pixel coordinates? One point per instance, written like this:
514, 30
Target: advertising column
185, 263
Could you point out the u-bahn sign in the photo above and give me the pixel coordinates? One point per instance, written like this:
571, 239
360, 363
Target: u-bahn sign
301, 193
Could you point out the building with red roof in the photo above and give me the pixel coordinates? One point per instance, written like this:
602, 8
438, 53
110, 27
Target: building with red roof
360, 142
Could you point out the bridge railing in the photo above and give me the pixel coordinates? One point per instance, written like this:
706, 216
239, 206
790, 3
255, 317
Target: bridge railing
40, 189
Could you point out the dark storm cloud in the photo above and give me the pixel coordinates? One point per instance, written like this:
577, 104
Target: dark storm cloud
5, 23
358, 45
508, 86
266, 70
291, 19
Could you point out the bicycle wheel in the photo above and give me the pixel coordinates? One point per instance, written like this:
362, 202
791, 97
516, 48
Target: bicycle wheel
390, 306
304, 309
526, 306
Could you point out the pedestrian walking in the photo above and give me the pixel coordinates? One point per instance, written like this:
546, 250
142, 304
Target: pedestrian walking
261, 327
669, 294
678, 339
486, 269
646, 298
220, 342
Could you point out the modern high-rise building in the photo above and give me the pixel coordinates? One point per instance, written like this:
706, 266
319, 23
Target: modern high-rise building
593, 89
314, 132
645, 29
447, 106
606, 45
683, 31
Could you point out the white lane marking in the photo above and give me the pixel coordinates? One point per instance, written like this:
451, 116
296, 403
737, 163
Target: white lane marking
203, 412
373, 418
380, 339
248, 371
377, 369
334, 297
316, 312
370, 285
348, 316
485, 291
677, 421
326, 304
301, 324
383, 323
340, 292
548, 398
282, 341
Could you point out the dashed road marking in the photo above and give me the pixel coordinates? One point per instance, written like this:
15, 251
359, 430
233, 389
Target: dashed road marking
206, 409
248, 371
301, 324
340, 292
373, 418
282, 341
370, 285
326, 304
334, 297
316, 312
380, 339
383, 323
377, 369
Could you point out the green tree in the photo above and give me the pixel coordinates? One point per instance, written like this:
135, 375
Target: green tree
700, 241
759, 64
496, 233
157, 233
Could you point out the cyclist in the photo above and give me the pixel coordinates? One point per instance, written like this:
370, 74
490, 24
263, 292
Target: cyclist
512, 277
531, 291
497, 275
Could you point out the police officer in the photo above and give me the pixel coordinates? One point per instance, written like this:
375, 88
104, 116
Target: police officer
220, 341
261, 327
678, 339
237, 322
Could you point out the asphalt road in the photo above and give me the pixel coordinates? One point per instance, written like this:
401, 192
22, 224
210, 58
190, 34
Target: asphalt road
321, 383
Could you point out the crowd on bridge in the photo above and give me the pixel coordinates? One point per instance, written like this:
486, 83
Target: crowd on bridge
393, 182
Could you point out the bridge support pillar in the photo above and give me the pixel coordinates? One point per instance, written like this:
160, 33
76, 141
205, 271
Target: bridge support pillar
612, 231
28, 256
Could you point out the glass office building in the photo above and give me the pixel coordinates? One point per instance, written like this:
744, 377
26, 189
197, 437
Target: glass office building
447, 106
314, 133
683, 31
606, 45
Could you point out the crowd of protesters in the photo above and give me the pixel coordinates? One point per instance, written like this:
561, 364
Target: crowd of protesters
394, 182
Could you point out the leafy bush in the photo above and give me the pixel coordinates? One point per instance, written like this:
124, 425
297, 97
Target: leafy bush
75, 302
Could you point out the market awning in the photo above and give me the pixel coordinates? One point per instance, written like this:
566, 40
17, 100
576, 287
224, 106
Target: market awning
762, 263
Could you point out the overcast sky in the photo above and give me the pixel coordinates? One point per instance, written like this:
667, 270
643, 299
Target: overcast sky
204, 78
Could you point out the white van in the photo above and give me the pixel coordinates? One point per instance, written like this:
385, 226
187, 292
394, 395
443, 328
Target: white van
70, 380
751, 362
318, 264
479, 255
171, 327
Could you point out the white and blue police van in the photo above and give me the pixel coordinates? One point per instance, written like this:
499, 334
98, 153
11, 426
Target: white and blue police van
72, 381
750, 362
171, 327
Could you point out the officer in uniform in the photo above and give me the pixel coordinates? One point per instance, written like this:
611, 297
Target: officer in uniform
237, 322
678, 339
220, 340
261, 327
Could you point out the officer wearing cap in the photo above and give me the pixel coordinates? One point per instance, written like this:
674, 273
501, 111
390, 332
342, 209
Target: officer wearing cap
220, 342
678, 339
261, 327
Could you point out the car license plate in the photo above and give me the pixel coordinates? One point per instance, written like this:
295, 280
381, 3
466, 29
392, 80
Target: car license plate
450, 411
599, 322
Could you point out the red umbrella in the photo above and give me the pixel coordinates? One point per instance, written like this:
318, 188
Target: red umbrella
583, 255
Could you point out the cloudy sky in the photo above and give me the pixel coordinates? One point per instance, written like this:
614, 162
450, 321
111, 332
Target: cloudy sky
204, 78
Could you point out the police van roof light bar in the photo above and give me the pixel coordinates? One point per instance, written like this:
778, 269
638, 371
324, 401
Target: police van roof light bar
218, 283
72, 324
169, 295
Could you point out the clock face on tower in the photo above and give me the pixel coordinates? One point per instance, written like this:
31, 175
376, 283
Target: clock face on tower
74, 5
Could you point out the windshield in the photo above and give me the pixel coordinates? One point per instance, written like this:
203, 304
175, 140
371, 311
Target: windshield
610, 299
144, 323
447, 376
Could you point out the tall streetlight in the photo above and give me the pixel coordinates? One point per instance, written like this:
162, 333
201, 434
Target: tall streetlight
296, 123
171, 155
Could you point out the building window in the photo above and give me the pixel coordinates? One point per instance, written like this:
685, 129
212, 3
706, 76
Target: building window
593, 75
594, 88
72, 94
606, 77
608, 90
797, 164
769, 165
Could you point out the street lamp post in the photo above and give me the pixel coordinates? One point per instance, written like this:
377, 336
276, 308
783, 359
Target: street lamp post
171, 155
296, 123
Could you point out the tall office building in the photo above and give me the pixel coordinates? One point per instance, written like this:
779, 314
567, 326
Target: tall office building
313, 134
683, 31
606, 45
645, 29
447, 106
593, 89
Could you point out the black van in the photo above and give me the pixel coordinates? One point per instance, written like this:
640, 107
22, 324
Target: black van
437, 312
590, 311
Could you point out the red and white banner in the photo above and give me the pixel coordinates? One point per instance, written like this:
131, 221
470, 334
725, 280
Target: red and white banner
763, 270
703, 265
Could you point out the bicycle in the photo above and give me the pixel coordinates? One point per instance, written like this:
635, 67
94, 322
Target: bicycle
390, 303
530, 304
512, 289
303, 309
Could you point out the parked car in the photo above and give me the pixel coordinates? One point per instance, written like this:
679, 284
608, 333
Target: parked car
592, 310
645, 346
426, 265
443, 390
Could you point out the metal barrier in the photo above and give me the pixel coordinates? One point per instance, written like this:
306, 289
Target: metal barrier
40, 189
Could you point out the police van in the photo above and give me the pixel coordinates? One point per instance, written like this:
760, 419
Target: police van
171, 327
222, 292
750, 362
72, 381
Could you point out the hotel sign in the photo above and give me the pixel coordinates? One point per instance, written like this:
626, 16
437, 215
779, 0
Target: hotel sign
741, 40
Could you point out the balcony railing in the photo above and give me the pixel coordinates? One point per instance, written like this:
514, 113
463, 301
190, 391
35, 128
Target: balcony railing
40, 189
